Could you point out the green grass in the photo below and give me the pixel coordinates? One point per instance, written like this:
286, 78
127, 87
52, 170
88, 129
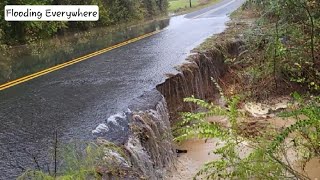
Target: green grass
175, 5
183, 6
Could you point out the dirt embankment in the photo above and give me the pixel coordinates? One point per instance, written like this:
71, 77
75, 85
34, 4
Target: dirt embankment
196, 78
147, 148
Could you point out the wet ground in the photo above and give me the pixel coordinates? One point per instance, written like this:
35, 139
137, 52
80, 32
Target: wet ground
76, 99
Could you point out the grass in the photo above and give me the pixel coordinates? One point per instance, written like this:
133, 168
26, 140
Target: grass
175, 5
183, 6
82, 163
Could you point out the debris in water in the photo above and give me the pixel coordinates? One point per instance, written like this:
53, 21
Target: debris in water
181, 151
266, 109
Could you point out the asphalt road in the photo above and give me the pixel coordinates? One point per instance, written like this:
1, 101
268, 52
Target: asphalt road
74, 100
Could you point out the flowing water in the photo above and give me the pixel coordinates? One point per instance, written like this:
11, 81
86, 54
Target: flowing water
24, 60
103, 96
19, 61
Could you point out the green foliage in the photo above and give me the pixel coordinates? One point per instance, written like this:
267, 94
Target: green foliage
176, 5
77, 163
195, 124
282, 47
231, 165
112, 12
35, 175
307, 128
257, 165
254, 157
182, 6
22, 32
292, 29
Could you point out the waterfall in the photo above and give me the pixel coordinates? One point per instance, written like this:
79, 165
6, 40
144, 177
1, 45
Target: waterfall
148, 141
194, 79
151, 142
144, 131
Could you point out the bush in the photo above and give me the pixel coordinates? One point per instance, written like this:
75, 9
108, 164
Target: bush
265, 158
84, 161
111, 12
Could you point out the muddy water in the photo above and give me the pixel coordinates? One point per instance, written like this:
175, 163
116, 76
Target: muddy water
199, 153
312, 169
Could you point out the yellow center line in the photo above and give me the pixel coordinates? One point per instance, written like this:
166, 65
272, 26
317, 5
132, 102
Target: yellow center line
71, 62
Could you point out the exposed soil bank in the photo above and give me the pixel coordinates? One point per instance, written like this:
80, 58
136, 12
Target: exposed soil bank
148, 139
194, 79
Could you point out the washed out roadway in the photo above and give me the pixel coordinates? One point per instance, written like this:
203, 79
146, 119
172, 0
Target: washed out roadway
75, 99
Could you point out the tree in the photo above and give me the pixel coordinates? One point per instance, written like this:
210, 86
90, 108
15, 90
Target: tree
111, 12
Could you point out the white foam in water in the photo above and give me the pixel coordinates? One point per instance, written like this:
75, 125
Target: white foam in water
102, 128
114, 118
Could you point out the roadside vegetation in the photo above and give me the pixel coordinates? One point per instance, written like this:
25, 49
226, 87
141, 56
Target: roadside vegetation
176, 5
279, 57
111, 13
280, 51
183, 6
81, 161
248, 156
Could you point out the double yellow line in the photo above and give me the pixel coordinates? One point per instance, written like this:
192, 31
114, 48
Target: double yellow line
74, 61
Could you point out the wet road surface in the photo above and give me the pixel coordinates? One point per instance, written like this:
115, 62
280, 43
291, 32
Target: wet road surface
76, 99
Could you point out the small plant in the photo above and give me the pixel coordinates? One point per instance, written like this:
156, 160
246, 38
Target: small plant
307, 128
253, 157
231, 165
76, 164
80, 161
